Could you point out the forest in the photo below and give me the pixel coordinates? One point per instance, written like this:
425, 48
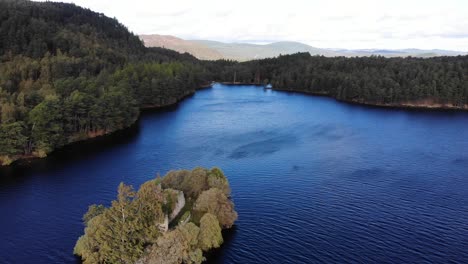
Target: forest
431, 82
136, 228
68, 74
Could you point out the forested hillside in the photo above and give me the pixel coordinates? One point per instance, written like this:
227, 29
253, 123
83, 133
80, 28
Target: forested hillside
434, 82
67, 73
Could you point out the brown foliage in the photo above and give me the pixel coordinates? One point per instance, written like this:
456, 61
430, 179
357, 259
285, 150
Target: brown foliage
214, 201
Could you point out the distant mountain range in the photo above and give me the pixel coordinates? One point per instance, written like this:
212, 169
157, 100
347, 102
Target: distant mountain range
213, 50
200, 51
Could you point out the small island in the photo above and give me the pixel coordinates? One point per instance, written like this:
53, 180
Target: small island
170, 219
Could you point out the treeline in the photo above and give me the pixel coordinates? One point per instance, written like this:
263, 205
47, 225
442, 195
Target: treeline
67, 73
134, 229
440, 81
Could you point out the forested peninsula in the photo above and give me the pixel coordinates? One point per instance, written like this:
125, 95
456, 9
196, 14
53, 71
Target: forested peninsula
171, 220
69, 74
439, 82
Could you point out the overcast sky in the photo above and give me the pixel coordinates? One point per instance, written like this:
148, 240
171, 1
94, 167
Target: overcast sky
351, 24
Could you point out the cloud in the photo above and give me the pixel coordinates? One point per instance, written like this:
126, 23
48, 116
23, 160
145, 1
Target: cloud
427, 24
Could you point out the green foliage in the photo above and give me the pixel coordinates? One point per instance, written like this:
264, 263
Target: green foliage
130, 229
12, 138
194, 182
88, 246
185, 217
46, 125
216, 179
210, 233
170, 197
67, 74
93, 211
120, 233
34, 29
371, 80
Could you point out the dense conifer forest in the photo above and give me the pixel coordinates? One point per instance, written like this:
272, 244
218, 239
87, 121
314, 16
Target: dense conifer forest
68, 74
432, 82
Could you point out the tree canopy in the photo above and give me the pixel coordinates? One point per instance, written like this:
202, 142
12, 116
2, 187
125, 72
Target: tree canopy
439, 81
68, 73
131, 229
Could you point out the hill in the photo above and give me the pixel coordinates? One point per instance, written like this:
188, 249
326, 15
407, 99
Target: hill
399, 53
245, 51
68, 74
212, 50
198, 50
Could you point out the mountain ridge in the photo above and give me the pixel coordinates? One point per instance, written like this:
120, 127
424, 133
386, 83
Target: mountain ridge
214, 50
181, 45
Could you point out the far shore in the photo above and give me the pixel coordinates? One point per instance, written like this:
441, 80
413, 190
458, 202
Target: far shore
406, 106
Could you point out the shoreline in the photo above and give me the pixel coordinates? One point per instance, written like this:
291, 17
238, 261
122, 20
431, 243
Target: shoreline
149, 108
22, 159
407, 106
401, 106
240, 83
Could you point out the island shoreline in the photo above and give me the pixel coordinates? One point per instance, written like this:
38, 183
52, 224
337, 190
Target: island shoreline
26, 159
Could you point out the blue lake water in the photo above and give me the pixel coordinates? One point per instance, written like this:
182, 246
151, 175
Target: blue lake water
313, 180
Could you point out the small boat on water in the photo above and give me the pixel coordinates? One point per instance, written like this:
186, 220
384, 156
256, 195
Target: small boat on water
268, 86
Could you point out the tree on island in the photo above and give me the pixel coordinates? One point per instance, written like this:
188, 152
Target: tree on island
133, 229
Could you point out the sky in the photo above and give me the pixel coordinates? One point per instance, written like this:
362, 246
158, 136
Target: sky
348, 24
